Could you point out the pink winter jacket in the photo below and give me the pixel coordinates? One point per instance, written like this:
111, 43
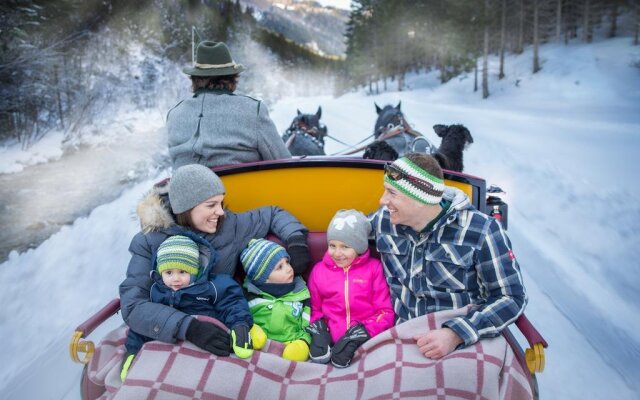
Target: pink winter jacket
347, 296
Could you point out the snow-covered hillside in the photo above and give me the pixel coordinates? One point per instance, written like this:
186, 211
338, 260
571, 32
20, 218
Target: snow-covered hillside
562, 143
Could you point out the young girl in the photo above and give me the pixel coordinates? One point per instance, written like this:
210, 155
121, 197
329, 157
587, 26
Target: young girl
350, 300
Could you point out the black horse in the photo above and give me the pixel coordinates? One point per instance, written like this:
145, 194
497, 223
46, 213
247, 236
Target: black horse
305, 136
394, 137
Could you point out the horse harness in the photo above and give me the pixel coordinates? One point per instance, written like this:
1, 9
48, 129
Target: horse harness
392, 129
300, 126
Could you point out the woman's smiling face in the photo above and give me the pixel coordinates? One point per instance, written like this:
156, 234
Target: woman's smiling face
205, 215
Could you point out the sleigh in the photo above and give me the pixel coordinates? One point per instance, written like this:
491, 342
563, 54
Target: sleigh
387, 366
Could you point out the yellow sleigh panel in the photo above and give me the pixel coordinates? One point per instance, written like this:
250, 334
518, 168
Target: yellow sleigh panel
316, 188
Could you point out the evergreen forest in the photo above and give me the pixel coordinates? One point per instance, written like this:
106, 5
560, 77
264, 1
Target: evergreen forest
64, 63
388, 38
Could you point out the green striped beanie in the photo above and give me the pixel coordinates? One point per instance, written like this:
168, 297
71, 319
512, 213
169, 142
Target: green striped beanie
260, 258
179, 252
426, 188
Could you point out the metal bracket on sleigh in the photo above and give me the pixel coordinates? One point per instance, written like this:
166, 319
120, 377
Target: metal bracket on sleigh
83, 330
534, 355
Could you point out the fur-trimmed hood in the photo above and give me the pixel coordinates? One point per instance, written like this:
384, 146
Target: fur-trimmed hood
154, 211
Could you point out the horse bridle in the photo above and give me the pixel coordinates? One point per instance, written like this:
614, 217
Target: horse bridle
299, 125
391, 130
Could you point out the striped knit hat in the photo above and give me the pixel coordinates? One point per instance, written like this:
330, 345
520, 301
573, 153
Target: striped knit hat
260, 258
414, 181
179, 252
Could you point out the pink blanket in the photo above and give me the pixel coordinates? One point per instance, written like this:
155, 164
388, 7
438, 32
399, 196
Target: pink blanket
387, 366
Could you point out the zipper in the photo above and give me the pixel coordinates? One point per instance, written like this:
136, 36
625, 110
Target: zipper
346, 296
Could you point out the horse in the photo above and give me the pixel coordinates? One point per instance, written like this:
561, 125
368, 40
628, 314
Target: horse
394, 137
305, 136
392, 129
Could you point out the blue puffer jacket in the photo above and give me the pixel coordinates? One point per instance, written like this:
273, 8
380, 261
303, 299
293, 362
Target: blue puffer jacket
214, 295
168, 324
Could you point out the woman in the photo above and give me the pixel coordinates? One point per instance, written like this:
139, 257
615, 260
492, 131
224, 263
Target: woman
196, 196
215, 126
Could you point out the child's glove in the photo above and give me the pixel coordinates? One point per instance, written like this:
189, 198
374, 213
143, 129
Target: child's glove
346, 346
241, 341
297, 350
209, 337
258, 337
126, 364
320, 351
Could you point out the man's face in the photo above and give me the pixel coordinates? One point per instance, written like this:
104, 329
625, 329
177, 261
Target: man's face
403, 210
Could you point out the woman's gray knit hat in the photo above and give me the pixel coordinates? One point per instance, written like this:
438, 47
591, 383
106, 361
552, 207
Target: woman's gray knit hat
352, 228
192, 184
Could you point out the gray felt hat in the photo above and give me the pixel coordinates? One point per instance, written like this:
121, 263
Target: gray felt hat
352, 228
192, 184
213, 59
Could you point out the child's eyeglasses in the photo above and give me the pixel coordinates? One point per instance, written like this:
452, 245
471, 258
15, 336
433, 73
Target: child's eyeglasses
395, 174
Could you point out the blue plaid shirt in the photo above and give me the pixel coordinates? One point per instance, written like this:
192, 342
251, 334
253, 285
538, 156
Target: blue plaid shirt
465, 258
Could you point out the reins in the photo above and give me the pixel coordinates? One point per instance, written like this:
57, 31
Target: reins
402, 127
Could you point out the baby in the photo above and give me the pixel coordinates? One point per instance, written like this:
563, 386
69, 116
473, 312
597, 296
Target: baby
180, 283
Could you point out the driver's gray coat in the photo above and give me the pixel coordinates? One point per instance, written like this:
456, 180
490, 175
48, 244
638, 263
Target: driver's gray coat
217, 127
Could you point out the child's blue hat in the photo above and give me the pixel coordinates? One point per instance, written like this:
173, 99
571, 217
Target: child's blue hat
260, 258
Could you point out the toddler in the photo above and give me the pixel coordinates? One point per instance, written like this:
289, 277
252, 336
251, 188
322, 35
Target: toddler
350, 300
278, 300
179, 283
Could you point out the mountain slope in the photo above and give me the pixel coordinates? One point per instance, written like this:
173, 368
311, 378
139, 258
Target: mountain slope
321, 29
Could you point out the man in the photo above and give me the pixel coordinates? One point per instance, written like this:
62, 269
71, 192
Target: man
215, 126
440, 253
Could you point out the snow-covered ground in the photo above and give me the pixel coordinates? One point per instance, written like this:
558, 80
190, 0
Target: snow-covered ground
562, 143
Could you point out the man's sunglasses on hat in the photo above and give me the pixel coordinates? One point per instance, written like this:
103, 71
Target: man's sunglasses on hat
395, 174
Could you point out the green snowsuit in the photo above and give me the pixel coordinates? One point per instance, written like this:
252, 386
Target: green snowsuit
282, 318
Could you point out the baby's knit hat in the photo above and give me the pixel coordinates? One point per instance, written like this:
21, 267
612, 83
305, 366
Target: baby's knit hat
192, 184
260, 258
352, 228
178, 252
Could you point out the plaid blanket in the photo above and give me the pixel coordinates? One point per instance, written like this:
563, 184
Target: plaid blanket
387, 366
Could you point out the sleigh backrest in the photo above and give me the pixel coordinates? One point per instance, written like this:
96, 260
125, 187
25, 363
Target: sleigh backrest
314, 188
